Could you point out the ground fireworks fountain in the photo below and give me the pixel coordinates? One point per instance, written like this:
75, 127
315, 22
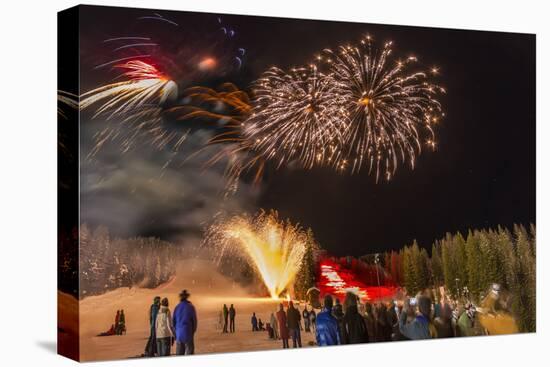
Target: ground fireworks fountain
274, 248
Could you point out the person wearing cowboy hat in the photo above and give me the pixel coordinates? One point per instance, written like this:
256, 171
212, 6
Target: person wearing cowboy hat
185, 325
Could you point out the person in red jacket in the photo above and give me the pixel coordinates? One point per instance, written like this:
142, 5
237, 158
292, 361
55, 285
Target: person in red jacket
283, 329
117, 321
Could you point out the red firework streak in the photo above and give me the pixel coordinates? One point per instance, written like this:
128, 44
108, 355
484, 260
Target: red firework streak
336, 279
140, 70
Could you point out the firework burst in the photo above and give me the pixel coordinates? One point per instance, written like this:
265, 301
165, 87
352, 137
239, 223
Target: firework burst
66, 100
355, 107
144, 85
366, 110
297, 116
274, 248
137, 105
390, 111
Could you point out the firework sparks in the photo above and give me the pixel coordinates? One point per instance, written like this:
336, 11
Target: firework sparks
389, 109
296, 116
274, 248
138, 106
206, 49
137, 102
145, 85
66, 103
66, 99
366, 110
229, 107
356, 107
159, 17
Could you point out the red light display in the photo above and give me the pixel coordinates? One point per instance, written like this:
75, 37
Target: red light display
337, 280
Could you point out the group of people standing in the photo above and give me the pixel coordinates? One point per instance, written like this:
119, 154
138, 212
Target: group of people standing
337, 324
289, 325
331, 326
414, 318
226, 314
167, 329
282, 324
286, 325
352, 322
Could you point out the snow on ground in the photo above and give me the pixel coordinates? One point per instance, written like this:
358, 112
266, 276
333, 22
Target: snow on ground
209, 291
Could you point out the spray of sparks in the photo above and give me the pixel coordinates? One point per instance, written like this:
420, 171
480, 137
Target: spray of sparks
367, 109
138, 107
137, 103
297, 116
66, 104
66, 100
274, 248
390, 111
145, 85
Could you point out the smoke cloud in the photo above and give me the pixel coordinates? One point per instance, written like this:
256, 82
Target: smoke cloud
152, 192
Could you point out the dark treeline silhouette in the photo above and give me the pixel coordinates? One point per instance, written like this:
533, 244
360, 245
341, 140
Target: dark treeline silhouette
467, 266
67, 262
107, 263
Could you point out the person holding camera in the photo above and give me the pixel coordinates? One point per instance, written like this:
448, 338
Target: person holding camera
420, 327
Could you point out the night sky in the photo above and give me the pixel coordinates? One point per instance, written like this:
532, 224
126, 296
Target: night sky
481, 175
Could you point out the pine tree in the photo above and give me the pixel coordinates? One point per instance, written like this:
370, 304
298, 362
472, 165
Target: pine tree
511, 269
408, 271
527, 274
449, 272
459, 250
492, 259
305, 278
415, 270
437, 265
533, 233
387, 262
488, 273
473, 265
85, 257
424, 279
395, 270
158, 272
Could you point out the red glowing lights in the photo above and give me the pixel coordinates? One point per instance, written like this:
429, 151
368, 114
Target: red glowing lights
140, 70
337, 280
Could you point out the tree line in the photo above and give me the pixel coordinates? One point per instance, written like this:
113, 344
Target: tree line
467, 266
107, 263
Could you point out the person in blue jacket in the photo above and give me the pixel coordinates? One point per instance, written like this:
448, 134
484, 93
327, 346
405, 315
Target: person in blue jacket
421, 326
254, 322
185, 325
327, 332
